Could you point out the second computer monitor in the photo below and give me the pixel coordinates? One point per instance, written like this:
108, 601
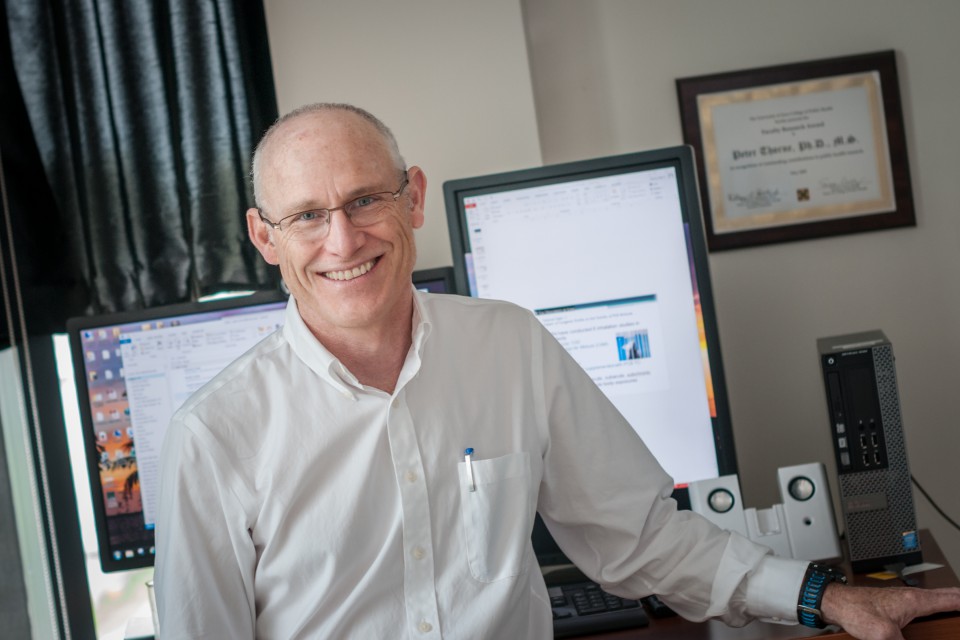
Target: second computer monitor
610, 255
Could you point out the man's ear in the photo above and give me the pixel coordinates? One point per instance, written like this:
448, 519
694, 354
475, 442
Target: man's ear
416, 192
261, 235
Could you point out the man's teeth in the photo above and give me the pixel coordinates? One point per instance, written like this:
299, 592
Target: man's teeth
350, 274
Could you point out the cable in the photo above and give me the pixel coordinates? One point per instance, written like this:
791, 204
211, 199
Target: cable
934, 504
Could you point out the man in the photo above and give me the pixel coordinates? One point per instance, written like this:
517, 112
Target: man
317, 488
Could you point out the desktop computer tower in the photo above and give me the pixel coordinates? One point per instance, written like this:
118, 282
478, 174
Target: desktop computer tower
866, 427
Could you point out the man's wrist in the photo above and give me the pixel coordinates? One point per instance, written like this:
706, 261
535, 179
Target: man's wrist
809, 603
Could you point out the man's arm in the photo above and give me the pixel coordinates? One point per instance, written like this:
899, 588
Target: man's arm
697, 578
606, 500
872, 613
205, 557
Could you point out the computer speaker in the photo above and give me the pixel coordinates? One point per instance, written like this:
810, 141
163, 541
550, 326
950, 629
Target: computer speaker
718, 500
808, 511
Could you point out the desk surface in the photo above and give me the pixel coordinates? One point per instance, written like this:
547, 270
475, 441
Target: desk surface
934, 628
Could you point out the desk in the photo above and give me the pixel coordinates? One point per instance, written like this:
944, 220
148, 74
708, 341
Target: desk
944, 627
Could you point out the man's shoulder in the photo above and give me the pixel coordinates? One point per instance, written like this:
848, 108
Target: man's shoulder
458, 308
239, 382
459, 322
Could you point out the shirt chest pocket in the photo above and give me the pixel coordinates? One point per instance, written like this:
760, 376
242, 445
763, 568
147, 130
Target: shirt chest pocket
497, 517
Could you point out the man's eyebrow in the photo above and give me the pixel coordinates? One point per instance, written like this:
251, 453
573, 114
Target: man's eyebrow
302, 205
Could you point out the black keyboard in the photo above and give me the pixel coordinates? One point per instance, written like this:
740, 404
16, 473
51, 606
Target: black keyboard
583, 607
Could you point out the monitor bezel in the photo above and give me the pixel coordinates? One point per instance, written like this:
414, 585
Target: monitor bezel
444, 274
75, 327
681, 157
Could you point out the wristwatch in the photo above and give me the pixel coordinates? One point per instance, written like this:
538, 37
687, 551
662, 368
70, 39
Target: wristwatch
815, 582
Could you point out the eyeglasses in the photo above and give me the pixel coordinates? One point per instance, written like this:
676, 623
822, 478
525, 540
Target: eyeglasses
315, 223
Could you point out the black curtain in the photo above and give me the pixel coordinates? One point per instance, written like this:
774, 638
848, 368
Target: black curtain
125, 132
144, 115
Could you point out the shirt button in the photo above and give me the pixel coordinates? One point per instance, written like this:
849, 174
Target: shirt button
419, 553
411, 476
425, 627
396, 403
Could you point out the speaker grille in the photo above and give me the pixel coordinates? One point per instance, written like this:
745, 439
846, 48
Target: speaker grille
876, 534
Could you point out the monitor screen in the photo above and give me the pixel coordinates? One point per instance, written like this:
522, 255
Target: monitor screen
133, 371
610, 255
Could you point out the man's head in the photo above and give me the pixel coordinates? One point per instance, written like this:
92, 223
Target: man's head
325, 157
319, 107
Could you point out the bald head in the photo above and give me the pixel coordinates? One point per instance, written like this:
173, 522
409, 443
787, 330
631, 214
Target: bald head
333, 109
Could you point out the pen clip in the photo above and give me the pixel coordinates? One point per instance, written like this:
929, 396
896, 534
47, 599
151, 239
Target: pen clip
468, 459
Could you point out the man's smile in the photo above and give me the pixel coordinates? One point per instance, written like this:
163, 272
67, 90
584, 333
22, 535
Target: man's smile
350, 274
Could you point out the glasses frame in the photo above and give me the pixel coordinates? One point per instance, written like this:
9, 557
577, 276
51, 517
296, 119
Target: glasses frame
278, 225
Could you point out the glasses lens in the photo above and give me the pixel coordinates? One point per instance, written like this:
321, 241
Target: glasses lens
367, 210
309, 224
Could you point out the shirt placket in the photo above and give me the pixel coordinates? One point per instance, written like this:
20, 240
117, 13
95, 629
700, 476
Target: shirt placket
420, 597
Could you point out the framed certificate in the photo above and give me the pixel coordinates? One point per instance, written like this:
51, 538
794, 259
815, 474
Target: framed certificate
799, 151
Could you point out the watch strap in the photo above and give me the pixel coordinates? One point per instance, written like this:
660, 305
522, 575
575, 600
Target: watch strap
815, 582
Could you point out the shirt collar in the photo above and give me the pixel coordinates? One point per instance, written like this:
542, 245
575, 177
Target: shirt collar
422, 324
326, 365
313, 353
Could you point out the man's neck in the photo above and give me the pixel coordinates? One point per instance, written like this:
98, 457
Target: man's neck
375, 355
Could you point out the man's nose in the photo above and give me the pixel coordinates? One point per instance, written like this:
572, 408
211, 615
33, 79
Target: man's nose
343, 238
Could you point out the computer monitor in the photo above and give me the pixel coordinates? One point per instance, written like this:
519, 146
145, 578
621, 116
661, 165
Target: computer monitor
610, 254
438, 280
132, 371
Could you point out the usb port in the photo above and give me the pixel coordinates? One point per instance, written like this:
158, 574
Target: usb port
866, 460
863, 441
876, 457
874, 440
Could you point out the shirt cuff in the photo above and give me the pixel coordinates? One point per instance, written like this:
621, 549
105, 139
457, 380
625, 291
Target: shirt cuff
773, 589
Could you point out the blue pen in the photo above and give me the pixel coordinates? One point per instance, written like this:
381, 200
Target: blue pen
467, 458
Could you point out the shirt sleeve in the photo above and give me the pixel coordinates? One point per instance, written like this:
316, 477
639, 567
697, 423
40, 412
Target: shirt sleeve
205, 556
607, 502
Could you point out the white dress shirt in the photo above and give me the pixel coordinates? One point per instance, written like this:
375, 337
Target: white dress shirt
297, 503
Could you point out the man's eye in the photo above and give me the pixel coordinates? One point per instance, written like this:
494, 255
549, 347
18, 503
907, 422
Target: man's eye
307, 216
365, 201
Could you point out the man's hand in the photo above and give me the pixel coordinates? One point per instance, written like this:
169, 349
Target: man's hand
870, 613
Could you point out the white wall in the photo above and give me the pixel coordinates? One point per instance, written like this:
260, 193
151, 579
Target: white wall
449, 77
603, 75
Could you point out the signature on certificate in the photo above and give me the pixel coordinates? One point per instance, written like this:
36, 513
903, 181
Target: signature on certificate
843, 186
755, 199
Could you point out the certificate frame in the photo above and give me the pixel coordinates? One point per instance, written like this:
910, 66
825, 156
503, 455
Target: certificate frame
797, 151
